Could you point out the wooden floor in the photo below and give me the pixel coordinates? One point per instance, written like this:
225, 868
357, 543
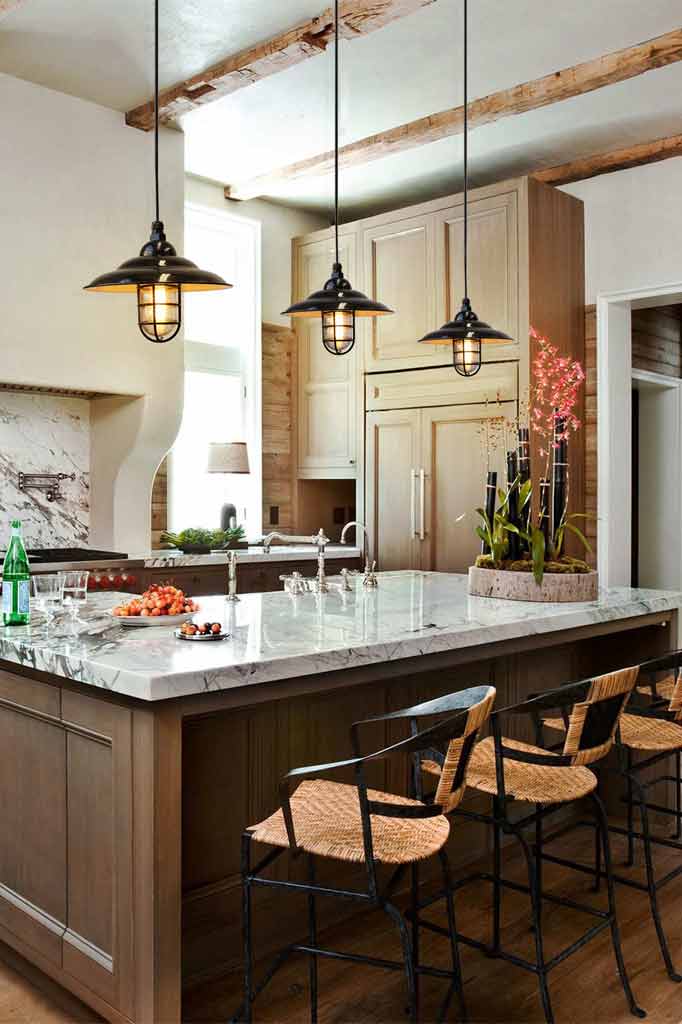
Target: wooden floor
584, 989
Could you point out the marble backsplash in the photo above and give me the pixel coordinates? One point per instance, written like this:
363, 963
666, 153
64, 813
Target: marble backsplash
41, 433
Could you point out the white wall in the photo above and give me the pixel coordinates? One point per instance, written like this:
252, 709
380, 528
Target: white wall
76, 199
633, 227
279, 224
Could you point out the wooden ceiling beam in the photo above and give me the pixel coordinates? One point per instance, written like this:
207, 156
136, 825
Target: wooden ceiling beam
356, 17
617, 160
541, 92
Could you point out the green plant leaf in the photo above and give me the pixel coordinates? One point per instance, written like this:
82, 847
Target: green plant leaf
480, 532
580, 535
525, 491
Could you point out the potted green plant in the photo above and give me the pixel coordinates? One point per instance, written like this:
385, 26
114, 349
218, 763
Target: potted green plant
201, 541
523, 527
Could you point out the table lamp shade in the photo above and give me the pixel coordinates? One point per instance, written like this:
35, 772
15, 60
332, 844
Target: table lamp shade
228, 458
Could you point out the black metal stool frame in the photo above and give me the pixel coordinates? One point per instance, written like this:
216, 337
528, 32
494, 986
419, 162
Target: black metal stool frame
374, 896
636, 796
501, 823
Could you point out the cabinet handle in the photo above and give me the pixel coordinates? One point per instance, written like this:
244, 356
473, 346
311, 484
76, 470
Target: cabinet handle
422, 504
413, 503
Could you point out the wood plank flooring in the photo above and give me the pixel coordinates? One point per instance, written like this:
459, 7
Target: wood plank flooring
584, 989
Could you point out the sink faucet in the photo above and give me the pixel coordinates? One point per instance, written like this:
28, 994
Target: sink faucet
318, 540
369, 579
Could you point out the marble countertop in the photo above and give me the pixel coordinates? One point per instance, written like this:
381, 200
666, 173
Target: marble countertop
278, 636
278, 553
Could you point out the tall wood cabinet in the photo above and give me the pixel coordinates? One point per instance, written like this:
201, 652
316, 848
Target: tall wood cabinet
526, 268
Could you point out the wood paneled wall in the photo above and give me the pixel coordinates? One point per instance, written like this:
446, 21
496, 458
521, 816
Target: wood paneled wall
160, 503
590, 429
656, 337
279, 434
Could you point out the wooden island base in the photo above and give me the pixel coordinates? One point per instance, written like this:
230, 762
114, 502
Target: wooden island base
119, 854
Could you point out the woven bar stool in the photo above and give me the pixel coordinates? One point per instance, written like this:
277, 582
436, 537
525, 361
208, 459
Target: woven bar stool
652, 727
509, 770
352, 823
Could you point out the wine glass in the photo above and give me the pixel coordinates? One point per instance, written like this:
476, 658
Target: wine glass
75, 585
48, 594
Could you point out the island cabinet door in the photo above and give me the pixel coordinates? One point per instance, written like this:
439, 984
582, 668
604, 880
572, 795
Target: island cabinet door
98, 939
392, 511
458, 443
33, 847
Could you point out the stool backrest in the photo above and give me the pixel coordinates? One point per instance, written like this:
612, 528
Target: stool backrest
593, 721
663, 678
452, 780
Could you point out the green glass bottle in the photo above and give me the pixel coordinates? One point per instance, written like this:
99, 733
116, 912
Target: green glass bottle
16, 581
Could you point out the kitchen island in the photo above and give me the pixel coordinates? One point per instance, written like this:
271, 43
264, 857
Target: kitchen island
134, 760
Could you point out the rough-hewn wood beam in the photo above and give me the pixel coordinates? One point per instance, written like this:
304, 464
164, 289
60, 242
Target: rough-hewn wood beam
560, 85
356, 17
617, 160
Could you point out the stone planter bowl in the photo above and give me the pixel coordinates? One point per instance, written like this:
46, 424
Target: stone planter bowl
521, 586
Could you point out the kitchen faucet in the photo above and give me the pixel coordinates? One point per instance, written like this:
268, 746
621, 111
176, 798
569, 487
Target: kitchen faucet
369, 579
318, 540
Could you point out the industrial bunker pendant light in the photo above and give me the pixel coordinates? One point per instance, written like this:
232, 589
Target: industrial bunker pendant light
466, 332
338, 303
158, 274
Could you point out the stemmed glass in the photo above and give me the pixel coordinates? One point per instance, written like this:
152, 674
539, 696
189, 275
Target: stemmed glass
75, 585
48, 593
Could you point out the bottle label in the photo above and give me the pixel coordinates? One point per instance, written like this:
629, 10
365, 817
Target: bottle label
22, 589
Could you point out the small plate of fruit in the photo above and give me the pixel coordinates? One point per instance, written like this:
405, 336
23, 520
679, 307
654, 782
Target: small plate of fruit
201, 631
158, 606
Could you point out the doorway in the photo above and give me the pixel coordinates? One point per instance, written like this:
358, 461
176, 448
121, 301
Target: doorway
639, 442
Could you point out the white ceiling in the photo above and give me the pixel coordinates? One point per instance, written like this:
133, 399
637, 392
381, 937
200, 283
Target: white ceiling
404, 71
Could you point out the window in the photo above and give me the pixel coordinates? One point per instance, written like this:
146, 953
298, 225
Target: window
222, 374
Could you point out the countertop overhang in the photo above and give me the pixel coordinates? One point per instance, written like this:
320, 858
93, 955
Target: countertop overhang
277, 636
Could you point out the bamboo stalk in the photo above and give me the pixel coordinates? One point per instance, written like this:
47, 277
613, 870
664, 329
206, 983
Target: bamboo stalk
513, 502
489, 504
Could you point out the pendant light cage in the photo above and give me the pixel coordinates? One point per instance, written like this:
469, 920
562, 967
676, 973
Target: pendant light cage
159, 311
466, 356
158, 275
337, 304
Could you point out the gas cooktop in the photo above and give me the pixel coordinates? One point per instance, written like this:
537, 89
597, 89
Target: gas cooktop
71, 555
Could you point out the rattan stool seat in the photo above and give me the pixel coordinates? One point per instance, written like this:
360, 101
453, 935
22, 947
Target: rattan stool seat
327, 823
643, 733
533, 783
639, 732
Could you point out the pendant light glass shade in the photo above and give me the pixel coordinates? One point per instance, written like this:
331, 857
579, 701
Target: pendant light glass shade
338, 303
466, 332
158, 275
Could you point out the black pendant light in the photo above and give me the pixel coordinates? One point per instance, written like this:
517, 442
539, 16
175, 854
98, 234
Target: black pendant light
338, 303
466, 332
158, 274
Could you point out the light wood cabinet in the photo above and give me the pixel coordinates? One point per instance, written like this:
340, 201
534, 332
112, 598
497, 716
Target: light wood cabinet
526, 267
327, 445
400, 270
426, 472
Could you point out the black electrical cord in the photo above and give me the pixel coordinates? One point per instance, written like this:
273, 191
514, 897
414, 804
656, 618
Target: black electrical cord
156, 103
466, 151
336, 126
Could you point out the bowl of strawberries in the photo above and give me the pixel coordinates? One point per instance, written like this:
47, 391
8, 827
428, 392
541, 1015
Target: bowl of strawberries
158, 606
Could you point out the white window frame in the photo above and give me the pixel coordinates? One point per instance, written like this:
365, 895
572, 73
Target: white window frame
216, 359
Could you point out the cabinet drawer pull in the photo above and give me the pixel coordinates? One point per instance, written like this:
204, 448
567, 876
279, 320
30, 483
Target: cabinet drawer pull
413, 503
